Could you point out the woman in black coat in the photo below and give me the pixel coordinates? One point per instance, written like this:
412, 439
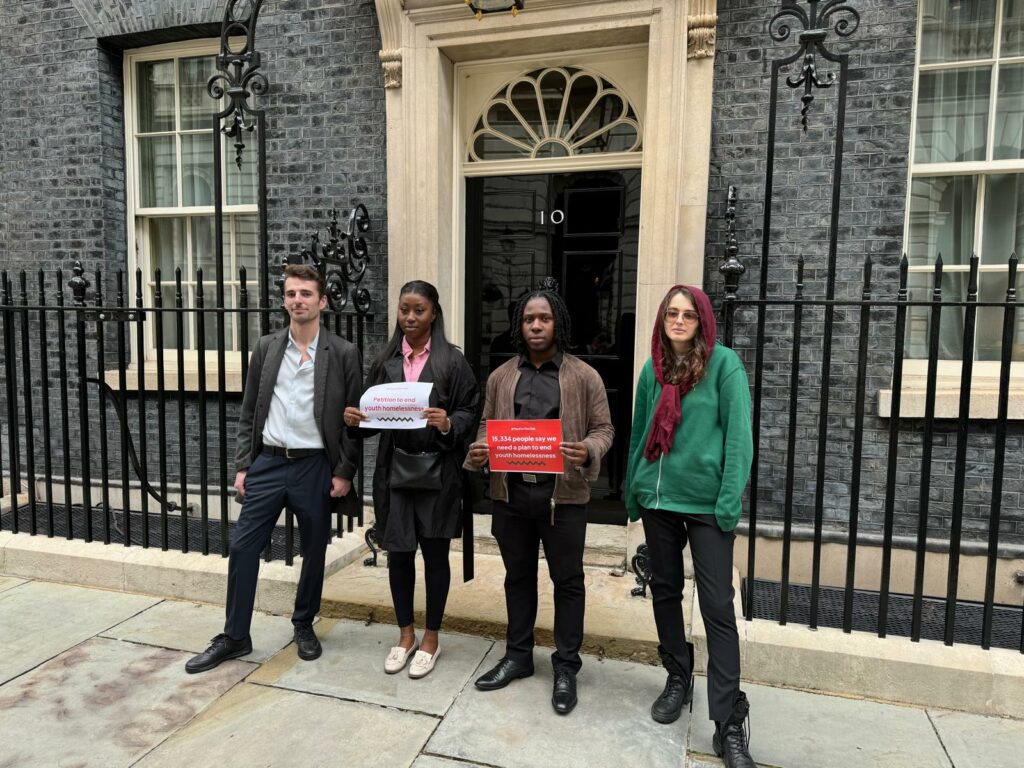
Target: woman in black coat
417, 481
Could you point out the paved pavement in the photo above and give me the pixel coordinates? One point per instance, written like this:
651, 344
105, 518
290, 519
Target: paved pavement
96, 678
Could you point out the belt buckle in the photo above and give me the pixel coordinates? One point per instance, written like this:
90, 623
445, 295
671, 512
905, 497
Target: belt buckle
529, 477
288, 454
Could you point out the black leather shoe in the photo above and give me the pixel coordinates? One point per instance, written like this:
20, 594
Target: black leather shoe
221, 649
563, 696
731, 739
305, 640
503, 673
678, 690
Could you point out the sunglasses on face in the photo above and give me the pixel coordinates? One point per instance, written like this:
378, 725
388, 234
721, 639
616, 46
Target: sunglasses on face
671, 315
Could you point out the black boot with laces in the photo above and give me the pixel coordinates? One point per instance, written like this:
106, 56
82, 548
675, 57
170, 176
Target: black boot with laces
731, 737
678, 690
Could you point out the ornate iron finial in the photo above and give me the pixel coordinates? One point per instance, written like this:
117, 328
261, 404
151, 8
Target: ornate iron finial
833, 15
238, 77
342, 260
78, 283
549, 284
732, 268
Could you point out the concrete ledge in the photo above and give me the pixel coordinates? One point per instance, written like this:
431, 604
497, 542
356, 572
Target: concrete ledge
859, 664
189, 576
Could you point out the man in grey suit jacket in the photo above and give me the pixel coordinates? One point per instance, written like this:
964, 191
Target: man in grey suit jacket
293, 451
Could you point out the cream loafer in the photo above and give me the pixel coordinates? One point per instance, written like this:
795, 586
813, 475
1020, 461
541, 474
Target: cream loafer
422, 664
397, 658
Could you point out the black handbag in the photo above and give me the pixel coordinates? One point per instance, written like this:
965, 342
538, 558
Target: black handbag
415, 471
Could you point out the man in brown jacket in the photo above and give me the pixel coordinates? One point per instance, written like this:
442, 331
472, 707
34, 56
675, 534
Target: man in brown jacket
544, 382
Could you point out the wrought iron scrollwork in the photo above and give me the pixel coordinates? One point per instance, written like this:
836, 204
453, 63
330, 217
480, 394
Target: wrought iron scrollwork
373, 543
836, 16
341, 260
641, 565
239, 77
78, 283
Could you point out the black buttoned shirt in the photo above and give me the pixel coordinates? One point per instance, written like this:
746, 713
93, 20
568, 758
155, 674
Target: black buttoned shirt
538, 395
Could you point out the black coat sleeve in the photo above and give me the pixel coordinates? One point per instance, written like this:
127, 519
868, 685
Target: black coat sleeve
352, 366
244, 446
463, 407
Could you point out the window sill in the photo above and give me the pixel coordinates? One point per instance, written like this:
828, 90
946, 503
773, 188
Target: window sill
233, 379
984, 402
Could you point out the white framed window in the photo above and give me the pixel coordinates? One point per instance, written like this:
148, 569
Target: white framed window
966, 190
170, 190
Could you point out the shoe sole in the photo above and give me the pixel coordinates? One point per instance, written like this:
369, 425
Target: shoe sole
310, 657
213, 665
687, 701
563, 711
520, 676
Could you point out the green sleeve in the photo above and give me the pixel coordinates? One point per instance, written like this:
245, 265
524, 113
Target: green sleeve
734, 412
641, 418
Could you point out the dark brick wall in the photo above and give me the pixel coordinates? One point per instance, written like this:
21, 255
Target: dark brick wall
875, 173
62, 171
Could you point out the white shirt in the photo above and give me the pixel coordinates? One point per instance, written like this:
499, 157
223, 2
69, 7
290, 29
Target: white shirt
290, 421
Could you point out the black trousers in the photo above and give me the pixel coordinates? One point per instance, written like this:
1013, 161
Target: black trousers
667, 534
520, 527
273, 483
436, 573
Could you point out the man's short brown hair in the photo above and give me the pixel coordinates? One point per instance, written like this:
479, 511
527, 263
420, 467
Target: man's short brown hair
307, 272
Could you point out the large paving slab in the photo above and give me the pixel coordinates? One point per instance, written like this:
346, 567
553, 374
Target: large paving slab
6, 582
40, 620
258, 726
794, 729
352, 667
103, 703
973, 741
189, 627
431, 761
611, 726
616, 625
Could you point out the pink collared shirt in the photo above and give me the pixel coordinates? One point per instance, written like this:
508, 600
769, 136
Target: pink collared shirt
414, 366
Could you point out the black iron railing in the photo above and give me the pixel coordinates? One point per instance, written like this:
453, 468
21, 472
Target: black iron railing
130, 464
875, 316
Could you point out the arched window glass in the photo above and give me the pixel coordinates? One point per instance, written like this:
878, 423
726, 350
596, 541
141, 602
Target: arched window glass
555, 112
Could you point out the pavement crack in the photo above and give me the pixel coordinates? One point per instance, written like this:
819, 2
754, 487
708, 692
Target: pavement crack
938, 736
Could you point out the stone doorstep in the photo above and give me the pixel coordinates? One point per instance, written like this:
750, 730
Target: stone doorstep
928, 673
172, 574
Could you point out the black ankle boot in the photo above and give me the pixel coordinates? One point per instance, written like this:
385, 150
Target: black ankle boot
731, 738
678, 690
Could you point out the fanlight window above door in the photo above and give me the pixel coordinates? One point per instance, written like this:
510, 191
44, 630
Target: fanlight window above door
555, 112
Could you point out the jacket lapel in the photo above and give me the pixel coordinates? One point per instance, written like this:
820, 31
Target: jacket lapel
275, 354
395, 369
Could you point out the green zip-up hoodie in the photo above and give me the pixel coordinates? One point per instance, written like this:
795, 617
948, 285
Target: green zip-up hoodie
709, 464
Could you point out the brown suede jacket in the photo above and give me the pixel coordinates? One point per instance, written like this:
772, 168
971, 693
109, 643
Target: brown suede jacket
585, 418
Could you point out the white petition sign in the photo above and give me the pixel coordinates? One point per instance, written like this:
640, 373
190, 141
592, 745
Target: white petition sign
396, 406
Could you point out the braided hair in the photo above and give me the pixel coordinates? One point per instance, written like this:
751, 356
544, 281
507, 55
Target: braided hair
548, 291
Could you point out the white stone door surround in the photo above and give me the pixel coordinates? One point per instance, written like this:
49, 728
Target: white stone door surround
424, 40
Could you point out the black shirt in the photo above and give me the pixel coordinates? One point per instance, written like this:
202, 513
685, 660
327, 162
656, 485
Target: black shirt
538, 395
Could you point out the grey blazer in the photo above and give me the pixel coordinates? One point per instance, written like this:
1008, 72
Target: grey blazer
337, 383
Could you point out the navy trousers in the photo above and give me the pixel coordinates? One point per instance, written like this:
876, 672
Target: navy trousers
273, 483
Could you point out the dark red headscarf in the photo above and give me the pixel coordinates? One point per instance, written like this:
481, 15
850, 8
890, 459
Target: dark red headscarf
669, 411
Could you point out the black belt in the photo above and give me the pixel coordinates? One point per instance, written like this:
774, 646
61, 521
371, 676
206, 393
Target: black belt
292, 453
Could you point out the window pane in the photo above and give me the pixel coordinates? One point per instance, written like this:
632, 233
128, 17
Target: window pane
247, 246
156, 95
170, 320
989, 337
197, 169
942, 219
951, 323
196, 104
952, 115
957, 31
1009, 114
158, 184
167, 248
241, 184
1003, 230
1013, 28
203, 250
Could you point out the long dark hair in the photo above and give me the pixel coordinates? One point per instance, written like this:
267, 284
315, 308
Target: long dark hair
442, 351
548, 291
691, 366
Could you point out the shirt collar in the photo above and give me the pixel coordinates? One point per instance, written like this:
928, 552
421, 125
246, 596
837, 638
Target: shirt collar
407, 350
311, 349
524, 360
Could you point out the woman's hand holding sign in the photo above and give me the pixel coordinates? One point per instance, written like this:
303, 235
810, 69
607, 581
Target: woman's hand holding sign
353, 416
437, 418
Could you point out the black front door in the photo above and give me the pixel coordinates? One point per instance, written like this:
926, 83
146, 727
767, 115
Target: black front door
581, 229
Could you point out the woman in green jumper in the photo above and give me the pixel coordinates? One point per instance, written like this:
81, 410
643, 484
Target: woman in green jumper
689, 460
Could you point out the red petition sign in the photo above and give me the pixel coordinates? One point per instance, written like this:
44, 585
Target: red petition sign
525, 446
